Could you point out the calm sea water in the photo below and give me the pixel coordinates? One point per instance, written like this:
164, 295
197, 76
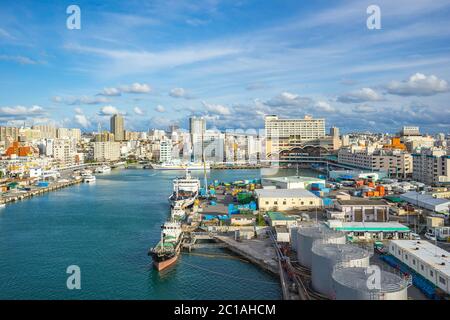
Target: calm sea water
106, 229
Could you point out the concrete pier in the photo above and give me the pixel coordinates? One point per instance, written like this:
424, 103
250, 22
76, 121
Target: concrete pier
12, 197
257, 251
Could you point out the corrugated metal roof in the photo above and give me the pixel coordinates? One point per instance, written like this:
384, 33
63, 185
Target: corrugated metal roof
414, 197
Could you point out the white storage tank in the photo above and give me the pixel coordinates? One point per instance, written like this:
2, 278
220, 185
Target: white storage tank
325, 256
293, 231
306, 237
351, 283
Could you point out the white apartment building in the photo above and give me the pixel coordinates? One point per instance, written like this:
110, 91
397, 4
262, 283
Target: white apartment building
64, 151
47, 131
65, 133
283, 134
396, 162
106, 151
410, 131
165, 151
431, 166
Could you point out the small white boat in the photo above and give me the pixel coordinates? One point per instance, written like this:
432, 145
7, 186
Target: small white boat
103, 169
89, 178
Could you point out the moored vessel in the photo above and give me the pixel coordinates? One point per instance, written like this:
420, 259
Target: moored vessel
103, 169
166, 252
185, 191
181, 166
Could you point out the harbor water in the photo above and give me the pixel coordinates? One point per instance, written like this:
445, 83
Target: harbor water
106, 229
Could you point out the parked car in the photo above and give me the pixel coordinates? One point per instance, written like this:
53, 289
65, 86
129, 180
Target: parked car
430, 236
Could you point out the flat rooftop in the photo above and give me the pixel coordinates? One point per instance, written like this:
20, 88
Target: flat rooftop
295, 179
362, 202
280, 216
371, 227
433, 255
284, 193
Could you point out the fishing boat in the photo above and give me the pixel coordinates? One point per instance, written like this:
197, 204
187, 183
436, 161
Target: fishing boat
167, 250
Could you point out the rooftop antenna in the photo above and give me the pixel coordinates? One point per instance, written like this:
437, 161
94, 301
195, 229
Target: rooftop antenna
99, 128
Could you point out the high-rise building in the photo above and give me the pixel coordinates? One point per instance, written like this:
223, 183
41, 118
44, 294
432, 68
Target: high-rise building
64, 151
105, 136
334, 132
117, 127
393, 161
106, 151
165, 151
9, 135
431, 166
284, 135
197, 125
47, 131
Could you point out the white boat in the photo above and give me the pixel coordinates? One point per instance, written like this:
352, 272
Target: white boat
181, 166
88, 178
103, 169
185, 191
177, 213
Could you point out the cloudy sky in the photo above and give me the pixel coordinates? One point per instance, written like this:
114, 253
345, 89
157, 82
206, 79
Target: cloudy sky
160, 61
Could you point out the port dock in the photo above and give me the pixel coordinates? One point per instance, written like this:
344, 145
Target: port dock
36, 191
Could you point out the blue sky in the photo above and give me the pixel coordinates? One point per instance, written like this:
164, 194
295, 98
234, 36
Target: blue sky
160, 61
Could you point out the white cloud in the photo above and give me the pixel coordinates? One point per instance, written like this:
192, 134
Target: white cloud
217, 109
78, 111
82, 120
160, 108
108, 111
288, 99
138, 111
80, 100
362, 95
323, 106
123, 62
20, 111
418, 85
110, 92
180, 93
18, 59
136, 88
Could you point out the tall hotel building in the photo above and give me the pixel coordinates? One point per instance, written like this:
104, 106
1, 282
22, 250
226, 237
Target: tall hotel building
296, 137
117, 127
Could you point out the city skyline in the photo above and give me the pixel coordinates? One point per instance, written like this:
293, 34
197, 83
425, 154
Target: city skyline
232, 63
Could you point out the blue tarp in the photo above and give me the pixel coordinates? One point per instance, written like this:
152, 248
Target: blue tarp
232, 209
